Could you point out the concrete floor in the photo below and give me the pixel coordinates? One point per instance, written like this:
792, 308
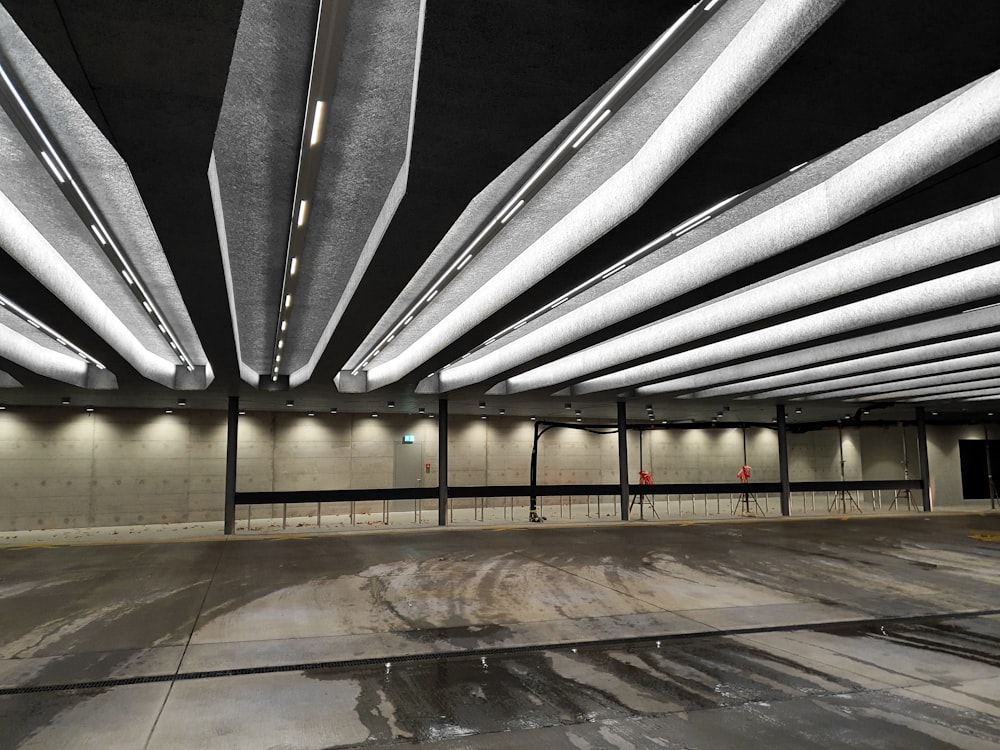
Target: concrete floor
862, 632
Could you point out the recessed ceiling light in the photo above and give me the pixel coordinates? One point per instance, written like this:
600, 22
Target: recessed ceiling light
90, 408
421, 410
532, 417
374, 415
482, 404
391, 404
289, 402
66, 400
311, 413
303, 212
317, 128
168, 411
503, 411
483, 417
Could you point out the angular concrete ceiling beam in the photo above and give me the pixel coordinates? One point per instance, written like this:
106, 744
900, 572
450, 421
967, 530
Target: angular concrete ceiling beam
961, 125
948, 355
72, 216
333, 89
632, 154
52, 363
965, 288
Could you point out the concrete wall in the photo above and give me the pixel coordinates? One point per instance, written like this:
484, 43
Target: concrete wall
66, 468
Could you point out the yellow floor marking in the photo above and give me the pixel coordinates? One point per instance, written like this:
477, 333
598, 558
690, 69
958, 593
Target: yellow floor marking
986, 536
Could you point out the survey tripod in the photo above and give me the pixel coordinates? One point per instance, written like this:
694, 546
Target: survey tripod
906, 494
842, 496
645, 478
747, 495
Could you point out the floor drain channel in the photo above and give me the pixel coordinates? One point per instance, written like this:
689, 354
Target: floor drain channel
490, 652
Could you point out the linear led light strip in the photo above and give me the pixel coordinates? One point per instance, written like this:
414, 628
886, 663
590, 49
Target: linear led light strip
664, 239
331, 23
7, 303
648, 63
63, 176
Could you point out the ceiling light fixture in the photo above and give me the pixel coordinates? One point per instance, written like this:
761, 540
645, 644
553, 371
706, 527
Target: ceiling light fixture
655, 56
327, 49
33, 132
8, 304
317, 128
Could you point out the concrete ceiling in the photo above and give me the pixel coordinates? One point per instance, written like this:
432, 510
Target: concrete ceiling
858, 268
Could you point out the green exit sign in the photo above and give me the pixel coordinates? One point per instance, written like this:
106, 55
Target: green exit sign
409, 438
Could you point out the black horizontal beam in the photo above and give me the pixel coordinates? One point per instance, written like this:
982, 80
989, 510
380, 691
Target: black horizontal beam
552, 490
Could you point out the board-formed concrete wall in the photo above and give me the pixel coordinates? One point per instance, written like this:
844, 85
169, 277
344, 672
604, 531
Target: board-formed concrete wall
67, 468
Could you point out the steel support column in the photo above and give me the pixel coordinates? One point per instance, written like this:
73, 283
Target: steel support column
623, 458
925, 471
229, 516
442, 462
786, 491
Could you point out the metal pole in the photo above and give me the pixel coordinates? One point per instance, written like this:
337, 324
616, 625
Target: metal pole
533, 477
229, 515
623, 458
442, 462
925, 471
786, 488
989, 468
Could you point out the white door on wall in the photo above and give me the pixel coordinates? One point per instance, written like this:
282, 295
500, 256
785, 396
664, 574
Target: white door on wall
408, 465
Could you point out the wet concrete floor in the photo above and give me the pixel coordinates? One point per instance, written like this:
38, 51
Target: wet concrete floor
863, 632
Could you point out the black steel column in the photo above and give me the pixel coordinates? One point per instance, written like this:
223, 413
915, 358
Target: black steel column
623, 458
786, 489
925, 471
229, 517
442, 462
